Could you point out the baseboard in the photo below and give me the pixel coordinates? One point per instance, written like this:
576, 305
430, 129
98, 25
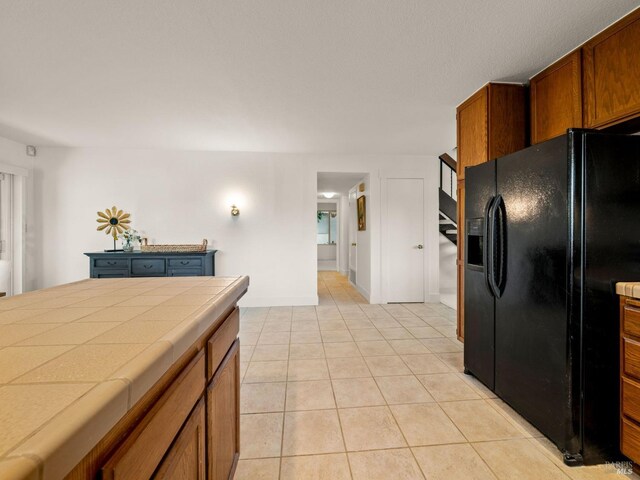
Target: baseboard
361, 291
277, 301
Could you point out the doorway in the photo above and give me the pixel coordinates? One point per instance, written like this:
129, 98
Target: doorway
337, 239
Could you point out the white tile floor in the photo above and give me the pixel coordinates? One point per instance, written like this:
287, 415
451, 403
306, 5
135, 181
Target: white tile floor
348, 390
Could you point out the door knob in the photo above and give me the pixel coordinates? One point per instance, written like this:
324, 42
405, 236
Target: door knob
353, 244
420, 247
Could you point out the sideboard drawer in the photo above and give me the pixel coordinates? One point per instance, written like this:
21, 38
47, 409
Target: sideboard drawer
185, 262
631, 358
110, 272
148, 266
111, 263
631, 399
631, 321
185, 272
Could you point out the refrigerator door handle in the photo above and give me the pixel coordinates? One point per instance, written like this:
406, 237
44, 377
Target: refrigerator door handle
488, 251
500, 247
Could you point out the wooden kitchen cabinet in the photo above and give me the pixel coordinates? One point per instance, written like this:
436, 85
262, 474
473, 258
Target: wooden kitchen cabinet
630, 378
555, 99
490, 124
611, 74
185, 460
223, 409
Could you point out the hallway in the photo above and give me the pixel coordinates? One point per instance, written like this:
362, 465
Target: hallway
335, 289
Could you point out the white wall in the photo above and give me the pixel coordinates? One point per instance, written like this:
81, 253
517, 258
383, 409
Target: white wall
177, 197
448, 272
343, 232
327, 252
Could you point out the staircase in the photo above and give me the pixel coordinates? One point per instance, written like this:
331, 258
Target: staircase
447, 198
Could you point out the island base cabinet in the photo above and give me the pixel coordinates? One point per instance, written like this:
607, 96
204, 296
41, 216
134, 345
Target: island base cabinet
185, 460
223, 411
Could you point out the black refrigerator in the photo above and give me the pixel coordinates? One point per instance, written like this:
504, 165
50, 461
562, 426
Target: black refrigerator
549, 231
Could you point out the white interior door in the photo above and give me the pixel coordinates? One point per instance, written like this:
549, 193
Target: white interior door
353, 235
405, 234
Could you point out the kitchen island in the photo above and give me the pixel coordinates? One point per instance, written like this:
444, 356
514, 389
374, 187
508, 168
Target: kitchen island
123, 378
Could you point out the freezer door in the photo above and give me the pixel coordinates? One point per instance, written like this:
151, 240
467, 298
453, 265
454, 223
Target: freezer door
531, 341
480, 185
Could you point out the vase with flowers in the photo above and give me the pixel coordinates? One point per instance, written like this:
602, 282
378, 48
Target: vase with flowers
129, 238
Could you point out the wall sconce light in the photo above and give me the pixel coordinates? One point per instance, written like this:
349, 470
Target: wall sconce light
235, 211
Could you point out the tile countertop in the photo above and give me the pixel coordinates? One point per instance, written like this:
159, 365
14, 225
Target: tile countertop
628, 289
75, 358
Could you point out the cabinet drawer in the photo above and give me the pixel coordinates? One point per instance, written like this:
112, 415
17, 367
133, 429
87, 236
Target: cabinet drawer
148, 266
110, 272
631, 399
631, 359
185, 272
110, 263
142, 451
185, 262
630, 440
631, 321
220, 342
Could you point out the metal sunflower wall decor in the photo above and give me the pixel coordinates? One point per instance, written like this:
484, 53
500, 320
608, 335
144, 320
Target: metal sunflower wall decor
112, 222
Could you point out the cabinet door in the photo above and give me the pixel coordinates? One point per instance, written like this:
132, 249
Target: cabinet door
611, 73
473, 131
556, 98
185, 460
460, 260
223, 408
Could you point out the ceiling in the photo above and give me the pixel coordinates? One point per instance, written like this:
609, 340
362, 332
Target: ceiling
337, 182
330, 76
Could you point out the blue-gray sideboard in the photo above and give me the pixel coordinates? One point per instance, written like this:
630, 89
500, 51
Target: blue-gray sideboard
151, 264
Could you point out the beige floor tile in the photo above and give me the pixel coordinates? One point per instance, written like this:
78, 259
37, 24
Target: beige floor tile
265, 353
310, 395
312, 432
84, 363
375, 347
258, 469
408, 347
271, 326
396, 333
412, 322
425, 332
332, 325
370, 428
333, 466
306, 350
442, 345
274, 338
308, 369
266, 372
515, 418
260, 435
447, 331
251, 327
383, 323
306, 336
426, 424
424, 364
403, 389
454, 360
517, 459
446, 387
248, 338
361, 323
16, 361
262, 397
25, 408
478, 421
341, 349
357, 392
397, 464
366, 335
449, 462
332, 336
387, 365
354, 367
477, 385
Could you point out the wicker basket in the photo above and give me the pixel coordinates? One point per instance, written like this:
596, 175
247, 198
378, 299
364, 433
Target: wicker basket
185, 248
